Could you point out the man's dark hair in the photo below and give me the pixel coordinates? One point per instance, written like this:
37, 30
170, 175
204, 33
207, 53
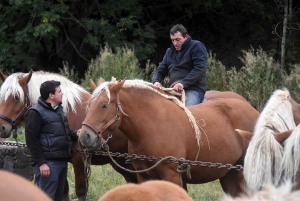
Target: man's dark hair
48, 87
180, 28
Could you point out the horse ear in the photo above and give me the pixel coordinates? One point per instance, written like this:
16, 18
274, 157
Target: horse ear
26, 79
100, 81
281, 137
117, 87
245, 134
2, 76
92, 85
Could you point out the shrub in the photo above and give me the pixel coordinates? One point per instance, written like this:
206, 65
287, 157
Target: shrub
216, 74
122, 64
257, 79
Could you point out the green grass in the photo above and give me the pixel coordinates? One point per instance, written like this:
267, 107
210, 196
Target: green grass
104, 178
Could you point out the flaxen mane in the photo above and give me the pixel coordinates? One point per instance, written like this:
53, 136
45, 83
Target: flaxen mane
264, 154
140, 84
291, 156
72, 92
269, 193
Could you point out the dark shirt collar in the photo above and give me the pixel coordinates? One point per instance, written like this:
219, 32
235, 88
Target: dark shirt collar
184, 45
46, 104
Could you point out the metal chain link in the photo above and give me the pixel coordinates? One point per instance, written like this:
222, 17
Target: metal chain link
144, 157
17, 144
170, 160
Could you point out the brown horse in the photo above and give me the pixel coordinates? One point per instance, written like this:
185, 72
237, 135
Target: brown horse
15, 187
159, 125
20, 91
273, 153
147, 191
209, 95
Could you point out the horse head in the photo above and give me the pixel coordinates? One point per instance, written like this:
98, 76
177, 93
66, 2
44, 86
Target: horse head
14, 102
103, 116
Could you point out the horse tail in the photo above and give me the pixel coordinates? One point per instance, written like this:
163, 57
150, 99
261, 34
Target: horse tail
291, 155
262, 160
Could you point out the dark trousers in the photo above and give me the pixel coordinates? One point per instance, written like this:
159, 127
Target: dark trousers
53, 186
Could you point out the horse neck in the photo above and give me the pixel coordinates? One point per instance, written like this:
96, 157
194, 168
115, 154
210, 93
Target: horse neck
145, 109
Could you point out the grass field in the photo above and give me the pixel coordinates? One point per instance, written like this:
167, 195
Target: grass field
104, 178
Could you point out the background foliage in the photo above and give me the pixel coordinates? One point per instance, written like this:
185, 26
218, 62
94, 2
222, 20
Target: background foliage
41, 35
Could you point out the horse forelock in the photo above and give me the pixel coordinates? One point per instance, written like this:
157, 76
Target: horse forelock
72, 92
141, 84
11, 86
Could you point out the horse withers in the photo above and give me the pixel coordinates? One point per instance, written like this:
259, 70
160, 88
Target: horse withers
159, 125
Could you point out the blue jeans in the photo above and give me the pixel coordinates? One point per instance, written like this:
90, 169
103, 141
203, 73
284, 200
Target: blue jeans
53, 186
193, 97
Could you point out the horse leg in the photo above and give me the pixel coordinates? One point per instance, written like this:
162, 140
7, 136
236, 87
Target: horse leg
232, 182
66, 196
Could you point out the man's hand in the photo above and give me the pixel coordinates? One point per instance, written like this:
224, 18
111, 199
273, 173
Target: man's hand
45, 170
157, 84
178, 87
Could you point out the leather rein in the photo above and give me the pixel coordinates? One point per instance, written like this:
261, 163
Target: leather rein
109, 123
14, 121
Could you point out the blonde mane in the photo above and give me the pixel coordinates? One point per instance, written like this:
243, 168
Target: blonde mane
140, 84
264, 154
72, 92
291, 156
269, 193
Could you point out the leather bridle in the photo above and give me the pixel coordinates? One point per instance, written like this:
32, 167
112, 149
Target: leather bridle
109, 123
13, 122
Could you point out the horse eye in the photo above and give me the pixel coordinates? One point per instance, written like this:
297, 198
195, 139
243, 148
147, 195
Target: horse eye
105, 106
16, 98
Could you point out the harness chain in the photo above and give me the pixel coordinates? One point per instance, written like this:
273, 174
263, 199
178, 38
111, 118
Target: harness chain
168, 160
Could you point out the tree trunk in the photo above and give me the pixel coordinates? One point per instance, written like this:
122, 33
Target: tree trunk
285, 18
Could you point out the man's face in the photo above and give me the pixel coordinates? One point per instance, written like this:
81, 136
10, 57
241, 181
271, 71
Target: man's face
57, 97
177, 40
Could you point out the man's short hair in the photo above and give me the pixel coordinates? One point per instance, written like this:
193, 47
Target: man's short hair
180, 28
48, 87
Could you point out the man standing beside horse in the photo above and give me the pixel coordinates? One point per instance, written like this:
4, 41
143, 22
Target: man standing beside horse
185, 63
48, 138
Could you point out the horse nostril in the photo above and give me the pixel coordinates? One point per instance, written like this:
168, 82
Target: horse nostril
87, 136
3, 129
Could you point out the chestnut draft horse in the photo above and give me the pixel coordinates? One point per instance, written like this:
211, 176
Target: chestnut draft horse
14, 187
148, 191
268, 159
209, 95
19, 91
159, 125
